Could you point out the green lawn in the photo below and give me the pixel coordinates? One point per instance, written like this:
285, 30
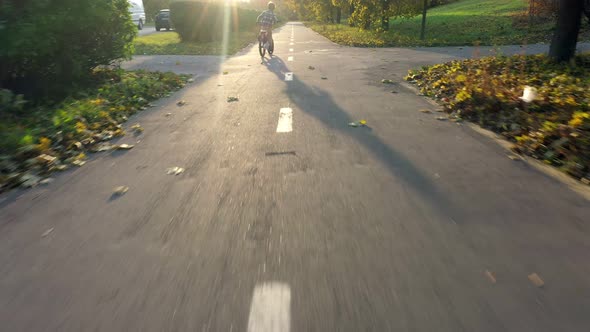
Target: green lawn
466, 22
168, 42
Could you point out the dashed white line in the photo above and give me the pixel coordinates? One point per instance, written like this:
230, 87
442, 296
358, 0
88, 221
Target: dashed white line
291, 44
270, 310
290, 50
290, 58
285, 124
288, 76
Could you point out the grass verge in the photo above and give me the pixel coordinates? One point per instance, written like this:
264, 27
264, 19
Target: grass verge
554, 128
169, 43
36, 140
466, 22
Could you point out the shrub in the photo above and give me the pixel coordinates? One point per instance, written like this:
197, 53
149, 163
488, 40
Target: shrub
50, 46
204, 22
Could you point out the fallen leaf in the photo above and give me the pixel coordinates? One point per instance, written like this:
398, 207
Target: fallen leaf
324, 78
168, 114
175, 170
137, 128
78, 162
536, 280
353, 124
426, 111
393, 91
585, 181
441, 118
311, 68
61, 167
225, 72
513, 157
120, 190
46, 159
78, 145
30, 180
181, 103
386, 81
104, 147
490, 276
46, 181
190, 80
363, 122
47, 232
232, 99
124, 146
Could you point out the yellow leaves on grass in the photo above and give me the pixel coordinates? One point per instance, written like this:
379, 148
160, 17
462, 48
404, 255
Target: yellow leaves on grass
462, 96
44, 144
579, 118
80, 127
460, 78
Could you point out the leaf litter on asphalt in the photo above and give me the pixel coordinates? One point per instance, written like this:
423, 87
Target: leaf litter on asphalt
120, 190
360, 123
536, 280
181, 103
124, 146
232, 99
137, 128
47, 232
175, 170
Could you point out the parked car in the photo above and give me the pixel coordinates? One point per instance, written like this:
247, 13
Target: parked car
137, 13
163, 20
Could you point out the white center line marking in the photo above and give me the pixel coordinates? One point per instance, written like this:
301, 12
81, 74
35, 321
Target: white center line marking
290, 58
288, 76
285, 124
270, 310
291, 44
290, 50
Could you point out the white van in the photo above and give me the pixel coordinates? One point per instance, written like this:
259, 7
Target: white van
137, 13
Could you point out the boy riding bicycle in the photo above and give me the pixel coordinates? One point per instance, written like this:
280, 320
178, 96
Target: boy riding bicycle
266, 21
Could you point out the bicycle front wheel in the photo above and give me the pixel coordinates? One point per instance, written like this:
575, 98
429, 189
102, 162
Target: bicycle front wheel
261, 49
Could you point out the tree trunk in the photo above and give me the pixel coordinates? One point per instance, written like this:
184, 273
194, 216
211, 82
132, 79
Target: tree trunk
338, 15
423, 29
350, 22
565, 38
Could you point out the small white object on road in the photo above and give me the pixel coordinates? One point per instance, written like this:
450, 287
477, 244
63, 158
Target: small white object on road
290, 58
290, 50
285, 124
288, 76
270, 310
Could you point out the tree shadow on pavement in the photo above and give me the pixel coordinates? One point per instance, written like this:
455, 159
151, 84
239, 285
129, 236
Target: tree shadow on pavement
320, 104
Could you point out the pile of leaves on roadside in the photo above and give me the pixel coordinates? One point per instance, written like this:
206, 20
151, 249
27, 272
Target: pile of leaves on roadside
38, 139
554, 127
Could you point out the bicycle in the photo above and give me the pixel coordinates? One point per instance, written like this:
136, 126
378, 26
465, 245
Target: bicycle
264, 44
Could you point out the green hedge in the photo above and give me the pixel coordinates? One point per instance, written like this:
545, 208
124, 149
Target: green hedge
204, 22
49, 46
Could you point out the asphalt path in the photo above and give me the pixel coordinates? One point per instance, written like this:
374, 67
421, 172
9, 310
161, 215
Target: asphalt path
288, 219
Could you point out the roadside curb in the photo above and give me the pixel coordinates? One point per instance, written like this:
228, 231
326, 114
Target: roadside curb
576, 186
